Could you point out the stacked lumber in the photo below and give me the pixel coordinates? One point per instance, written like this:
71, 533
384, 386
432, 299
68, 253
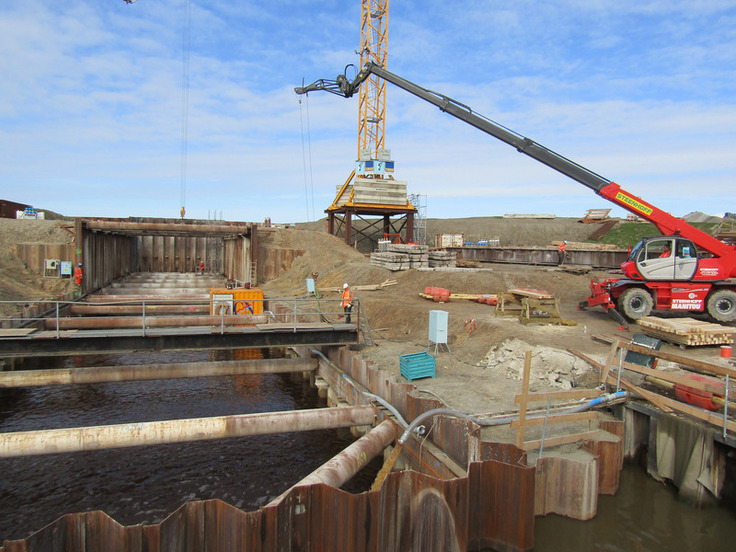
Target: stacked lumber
687, 331
440, 258
402, 257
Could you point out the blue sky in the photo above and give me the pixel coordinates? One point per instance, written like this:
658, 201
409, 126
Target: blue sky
642, 92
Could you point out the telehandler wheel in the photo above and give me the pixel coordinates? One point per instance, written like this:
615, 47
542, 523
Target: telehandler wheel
722, 305
635, 303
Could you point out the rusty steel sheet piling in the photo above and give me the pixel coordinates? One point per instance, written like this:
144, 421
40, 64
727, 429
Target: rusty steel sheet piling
54, 441
102, 374
339, 469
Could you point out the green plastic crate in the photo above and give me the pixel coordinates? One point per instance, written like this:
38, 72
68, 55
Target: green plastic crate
417, 365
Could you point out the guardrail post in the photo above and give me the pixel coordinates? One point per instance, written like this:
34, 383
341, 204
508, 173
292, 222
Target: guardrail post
295, 315
144, 317
57, 320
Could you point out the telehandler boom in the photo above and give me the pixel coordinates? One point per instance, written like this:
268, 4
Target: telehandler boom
685, 269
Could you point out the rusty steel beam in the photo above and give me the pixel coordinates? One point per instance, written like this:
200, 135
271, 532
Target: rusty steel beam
340, 468
603, 258
131, 322
55, 441
82, 342
167, 229
131, 298
102, 374
78, 309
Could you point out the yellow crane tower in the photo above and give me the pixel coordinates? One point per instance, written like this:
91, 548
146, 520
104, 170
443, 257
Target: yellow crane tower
372, 97
371, 189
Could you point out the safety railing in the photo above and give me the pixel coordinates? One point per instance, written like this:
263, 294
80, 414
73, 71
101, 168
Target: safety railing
146, 314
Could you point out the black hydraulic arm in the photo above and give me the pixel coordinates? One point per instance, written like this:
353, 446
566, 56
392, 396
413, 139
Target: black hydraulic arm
344, 87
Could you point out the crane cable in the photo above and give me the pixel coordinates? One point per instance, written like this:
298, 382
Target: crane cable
306, 154
184, 110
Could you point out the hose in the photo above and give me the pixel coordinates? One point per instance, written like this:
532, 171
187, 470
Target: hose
610, 398
381, 400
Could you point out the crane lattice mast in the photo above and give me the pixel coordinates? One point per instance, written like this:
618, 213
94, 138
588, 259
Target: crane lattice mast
372, 99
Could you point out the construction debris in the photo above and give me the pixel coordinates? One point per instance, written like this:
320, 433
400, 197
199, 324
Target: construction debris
687, 331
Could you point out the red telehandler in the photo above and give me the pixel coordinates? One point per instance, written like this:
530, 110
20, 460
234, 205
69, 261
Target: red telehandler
685, 269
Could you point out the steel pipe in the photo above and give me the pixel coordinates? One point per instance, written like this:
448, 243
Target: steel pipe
339, 469
103, 374
55, 441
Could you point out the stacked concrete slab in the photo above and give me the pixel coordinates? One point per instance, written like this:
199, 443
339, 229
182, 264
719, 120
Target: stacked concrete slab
442, 259
402, 257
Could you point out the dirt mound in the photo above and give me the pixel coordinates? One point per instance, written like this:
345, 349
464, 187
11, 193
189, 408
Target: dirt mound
17, 283
324, 254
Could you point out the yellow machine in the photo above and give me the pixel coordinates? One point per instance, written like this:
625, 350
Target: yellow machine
241, 301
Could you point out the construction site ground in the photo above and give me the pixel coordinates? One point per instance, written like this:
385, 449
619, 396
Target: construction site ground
479, 371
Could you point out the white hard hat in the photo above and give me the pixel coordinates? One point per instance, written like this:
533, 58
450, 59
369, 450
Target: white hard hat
345, 286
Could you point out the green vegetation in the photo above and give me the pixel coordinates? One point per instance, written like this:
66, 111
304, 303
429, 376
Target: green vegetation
625, 234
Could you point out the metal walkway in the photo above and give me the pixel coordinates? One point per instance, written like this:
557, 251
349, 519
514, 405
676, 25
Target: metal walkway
155, 312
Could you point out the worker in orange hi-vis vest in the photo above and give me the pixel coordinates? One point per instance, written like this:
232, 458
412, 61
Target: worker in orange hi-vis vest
561, 253
347, 301
78, 274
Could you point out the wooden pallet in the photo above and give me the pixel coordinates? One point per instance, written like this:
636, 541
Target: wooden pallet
687, 331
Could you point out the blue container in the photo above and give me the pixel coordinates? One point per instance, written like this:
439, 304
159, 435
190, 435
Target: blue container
417, 365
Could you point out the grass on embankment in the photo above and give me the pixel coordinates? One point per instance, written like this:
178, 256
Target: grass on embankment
627, 234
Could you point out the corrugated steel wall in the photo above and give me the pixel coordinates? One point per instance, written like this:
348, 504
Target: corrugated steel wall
409, 509
237, 259
105, 257
180, 253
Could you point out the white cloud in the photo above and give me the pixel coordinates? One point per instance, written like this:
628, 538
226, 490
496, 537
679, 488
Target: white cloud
91, 112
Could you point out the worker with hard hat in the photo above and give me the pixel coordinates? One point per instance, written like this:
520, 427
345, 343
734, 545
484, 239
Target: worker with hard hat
347, 301
561, 253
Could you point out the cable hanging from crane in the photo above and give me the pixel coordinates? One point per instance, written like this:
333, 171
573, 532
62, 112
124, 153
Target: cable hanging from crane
307, 155
184, 110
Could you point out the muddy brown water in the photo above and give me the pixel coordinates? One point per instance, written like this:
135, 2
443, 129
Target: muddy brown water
145, 484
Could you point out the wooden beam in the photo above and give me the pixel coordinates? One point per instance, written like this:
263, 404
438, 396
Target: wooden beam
557, 419
693, 364
653, 398
562, 395
560, 440
524, 394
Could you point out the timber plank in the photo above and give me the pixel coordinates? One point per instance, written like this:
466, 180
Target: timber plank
687, 331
